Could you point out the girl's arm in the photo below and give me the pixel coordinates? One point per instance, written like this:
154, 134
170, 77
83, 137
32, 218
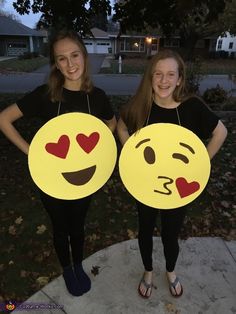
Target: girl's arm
218, 136
111, 124
122, 131
7, 118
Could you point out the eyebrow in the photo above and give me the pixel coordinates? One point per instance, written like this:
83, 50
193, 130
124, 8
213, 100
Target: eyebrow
142, 142
188, 147
61, 55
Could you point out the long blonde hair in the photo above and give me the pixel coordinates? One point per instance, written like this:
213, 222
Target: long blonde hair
56, 79
136, 111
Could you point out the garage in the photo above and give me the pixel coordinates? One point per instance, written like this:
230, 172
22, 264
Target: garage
100, 42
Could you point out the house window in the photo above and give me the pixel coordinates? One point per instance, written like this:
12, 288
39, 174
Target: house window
231, 45
17, 45
103, 44
132, 44
171, 42
219, 46
88, 44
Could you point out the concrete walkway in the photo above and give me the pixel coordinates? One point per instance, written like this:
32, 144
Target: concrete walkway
206, 266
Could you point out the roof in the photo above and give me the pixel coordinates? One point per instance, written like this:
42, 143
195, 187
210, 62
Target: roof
9, 27
98, 33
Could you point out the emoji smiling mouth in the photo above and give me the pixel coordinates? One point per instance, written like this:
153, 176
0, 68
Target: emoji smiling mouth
79, 177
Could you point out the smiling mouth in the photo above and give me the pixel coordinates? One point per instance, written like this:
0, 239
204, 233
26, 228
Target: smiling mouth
79, 177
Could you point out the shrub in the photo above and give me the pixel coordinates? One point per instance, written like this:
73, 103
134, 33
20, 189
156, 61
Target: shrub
193, 75
215, 95
28, 55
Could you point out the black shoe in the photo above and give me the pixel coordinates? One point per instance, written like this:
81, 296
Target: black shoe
83, 278
71, 281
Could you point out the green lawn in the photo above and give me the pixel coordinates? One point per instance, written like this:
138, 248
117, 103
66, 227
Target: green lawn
22, 65
28, 260
137, 66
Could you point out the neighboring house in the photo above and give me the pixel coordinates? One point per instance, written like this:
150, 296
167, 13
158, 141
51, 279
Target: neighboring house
227, 43
100, 42
106, 42
17, 39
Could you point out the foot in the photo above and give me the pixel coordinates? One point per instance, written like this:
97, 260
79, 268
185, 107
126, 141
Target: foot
82, 277
71, 281
145, 285
175, 286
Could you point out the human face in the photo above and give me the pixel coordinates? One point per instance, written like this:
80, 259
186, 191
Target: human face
70, 61
165, 79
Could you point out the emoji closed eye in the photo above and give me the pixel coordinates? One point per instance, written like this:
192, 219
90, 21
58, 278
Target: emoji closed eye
181, 157
149, 155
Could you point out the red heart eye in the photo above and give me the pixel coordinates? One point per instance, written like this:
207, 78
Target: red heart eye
59, 149
87, 143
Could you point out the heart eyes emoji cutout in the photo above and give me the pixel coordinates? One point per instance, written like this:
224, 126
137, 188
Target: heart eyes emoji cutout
87, 143
61, 148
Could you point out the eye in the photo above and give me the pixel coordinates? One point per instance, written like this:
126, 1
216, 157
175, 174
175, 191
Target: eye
181, 157
149, 155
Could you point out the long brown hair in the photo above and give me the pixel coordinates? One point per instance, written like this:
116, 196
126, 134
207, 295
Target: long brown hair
56, 79
138, 108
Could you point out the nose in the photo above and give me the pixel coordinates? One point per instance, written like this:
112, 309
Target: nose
69, 62
163, 78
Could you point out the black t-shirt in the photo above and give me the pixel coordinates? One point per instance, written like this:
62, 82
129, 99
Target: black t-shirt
38, 104
193, 115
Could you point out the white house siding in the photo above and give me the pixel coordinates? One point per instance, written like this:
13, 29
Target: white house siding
227, 43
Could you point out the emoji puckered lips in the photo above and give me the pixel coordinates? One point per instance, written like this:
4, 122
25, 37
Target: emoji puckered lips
80, 177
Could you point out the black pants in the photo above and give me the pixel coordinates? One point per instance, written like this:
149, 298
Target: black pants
68, 218
171, 223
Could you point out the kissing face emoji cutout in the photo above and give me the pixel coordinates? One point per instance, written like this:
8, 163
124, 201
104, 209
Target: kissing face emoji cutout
72, 156
164, 166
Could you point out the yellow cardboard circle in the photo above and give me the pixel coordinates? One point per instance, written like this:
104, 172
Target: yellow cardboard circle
164, 166
72, 156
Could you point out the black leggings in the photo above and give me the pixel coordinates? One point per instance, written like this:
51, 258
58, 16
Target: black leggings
68, 218
171, 223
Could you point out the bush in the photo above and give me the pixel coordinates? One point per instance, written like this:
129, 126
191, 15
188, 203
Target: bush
193, 75
215, 95
28, 55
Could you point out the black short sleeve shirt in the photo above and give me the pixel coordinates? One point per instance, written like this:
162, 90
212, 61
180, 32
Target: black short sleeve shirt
193, 115
38, 104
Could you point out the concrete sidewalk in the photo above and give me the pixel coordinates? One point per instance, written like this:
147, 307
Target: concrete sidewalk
206, 267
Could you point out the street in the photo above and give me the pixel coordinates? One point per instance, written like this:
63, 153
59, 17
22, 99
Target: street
112, 84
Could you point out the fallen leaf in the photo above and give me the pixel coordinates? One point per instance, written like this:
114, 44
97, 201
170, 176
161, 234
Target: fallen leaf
95, 270
42, 281
19, 220
12, 230
41, 229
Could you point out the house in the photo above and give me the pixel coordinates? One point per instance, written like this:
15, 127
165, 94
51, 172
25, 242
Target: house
227, 43
17, 39
110, 42
100, 42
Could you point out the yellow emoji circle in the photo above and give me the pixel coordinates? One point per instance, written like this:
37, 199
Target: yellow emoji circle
72, 156
164, 165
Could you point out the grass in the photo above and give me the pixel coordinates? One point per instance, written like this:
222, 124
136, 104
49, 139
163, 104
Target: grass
23, 65
28, 260
137, 66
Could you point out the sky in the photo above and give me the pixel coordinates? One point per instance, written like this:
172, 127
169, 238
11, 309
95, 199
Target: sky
27, 19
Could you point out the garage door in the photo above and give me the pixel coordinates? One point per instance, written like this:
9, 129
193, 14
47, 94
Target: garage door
102, 47
89, 46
